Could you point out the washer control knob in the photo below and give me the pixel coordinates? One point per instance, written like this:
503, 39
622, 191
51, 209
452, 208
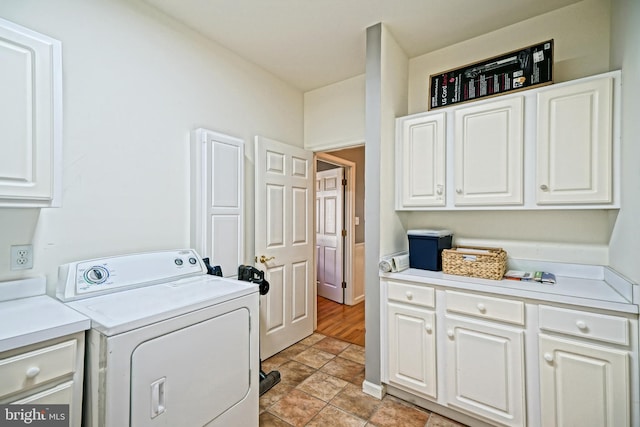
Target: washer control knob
178, 261
193, 261
96, 275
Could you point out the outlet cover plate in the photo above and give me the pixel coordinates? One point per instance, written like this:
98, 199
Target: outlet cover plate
21, 257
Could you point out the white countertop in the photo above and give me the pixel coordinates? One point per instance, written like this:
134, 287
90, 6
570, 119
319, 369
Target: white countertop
588, 289
27, 316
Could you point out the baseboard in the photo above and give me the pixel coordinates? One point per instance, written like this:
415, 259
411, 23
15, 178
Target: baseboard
376, 390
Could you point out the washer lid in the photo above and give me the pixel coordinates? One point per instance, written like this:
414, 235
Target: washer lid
119, 312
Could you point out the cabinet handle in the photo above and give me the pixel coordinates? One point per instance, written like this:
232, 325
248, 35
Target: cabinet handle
548, 357
544, 187
409, 295
33, 372
481, 307
439, 190
459, 191
450, 333
581, 325
428, 328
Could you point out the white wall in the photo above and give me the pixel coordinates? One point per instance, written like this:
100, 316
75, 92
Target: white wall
581, 48
625, 54
334, 115
135, 84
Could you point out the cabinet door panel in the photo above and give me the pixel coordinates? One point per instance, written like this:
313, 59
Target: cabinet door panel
574, 148
488, 153
420, 163
583, 384
485, 370
31, 125
412, 349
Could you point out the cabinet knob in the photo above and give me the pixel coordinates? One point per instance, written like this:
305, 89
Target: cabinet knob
459, 190
581, 325
450, 333
543, 187
409, 295
428, 328
32, 372
481, 307
439, 190
548, 357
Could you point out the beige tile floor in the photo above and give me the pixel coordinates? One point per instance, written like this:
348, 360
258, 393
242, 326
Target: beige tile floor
322, 386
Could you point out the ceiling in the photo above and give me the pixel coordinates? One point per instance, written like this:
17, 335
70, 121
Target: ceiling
313, 43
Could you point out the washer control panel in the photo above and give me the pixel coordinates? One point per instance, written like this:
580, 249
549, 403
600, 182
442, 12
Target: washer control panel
97, 276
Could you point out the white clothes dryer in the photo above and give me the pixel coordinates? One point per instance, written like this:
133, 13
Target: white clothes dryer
169, 345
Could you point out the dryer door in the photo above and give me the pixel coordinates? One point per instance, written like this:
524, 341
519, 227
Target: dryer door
191, 376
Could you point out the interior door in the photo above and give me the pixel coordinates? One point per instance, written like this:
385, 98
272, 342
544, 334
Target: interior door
284, 243
329, 239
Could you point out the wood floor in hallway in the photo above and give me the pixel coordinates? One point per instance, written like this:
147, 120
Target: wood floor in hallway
344, 322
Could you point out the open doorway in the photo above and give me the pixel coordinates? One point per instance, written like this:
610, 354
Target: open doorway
340, 255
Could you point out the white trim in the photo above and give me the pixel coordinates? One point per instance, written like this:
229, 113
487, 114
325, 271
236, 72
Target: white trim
376, 390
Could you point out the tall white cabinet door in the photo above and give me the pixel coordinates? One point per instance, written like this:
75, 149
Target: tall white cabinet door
485, 370
574, 147
488, 153
31, 117
583, 384
217, 189
412, 348
420, 161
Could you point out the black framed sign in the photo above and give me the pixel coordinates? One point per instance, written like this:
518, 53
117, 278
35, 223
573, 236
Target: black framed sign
521, 69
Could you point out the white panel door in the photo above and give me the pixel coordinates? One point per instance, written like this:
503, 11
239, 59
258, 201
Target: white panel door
30, 117
583, 384
574, 150
488, 153
485, 370
329, 239
284, 240
420, 161
217, 199
412, 348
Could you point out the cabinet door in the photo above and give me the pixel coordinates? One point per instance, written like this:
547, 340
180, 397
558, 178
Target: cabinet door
574, 148
420, 161
412, 348
488, 153
583, 384
31, 125
485, 370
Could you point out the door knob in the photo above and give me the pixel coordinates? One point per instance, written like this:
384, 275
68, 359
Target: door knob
264, 259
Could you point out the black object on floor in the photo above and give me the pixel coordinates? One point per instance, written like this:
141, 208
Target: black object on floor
252, 274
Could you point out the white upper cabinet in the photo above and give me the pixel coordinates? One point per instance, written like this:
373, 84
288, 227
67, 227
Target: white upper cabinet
488, 149
555, 147
31, 124
574, 149
420, 161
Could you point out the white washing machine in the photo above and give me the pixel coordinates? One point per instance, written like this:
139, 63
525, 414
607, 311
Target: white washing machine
169, 345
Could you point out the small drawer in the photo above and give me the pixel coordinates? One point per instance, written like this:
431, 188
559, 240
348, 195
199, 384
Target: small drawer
486, 307
28, 370
595, 326
412, 294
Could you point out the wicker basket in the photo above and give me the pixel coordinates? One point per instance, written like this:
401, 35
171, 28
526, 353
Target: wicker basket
485, 263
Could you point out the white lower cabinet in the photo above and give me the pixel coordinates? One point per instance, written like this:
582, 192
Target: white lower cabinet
485, 370
510, 361
412, 348
585, 379
583, 384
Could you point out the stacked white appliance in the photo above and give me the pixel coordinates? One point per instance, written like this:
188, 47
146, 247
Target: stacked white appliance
169, 345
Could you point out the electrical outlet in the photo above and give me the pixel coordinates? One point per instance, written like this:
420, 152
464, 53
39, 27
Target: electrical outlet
21, 257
